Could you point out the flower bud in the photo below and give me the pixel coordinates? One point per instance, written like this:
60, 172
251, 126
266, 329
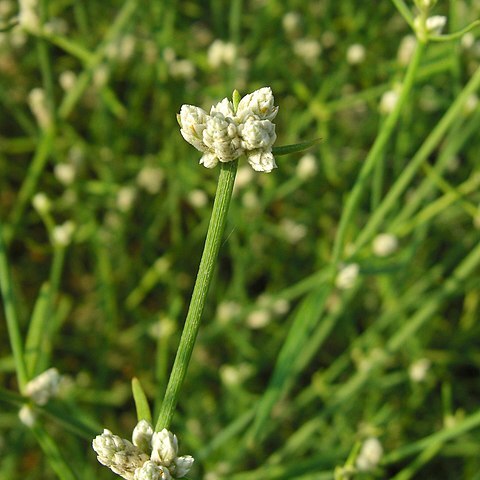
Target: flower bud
193, 122
259, 103
164, 447
142, 435
261, 161
44, 386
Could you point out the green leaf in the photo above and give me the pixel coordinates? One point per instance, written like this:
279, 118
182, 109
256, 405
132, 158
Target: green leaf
296, 147
141, 402
34, 345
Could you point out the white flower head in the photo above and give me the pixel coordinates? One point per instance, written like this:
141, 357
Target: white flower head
347, 276
221, 53
44, 386
435, 24
261, 161
384, 244
142, 435
62, 234
307, 167
418, 370
164, 447
41, 203
38, 103
257, 134
356, 54
151, 456
27, 416
182, 465
370, 454
226, 134
259, 103
118, 454
193, 121
388, 101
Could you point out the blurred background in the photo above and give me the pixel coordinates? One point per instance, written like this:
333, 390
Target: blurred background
105, 209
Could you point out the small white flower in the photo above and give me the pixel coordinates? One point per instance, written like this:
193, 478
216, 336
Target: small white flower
384, 244
43, 387
197, 198
468, 40
142, 436
125, 197
261, 161
220, 137
347, 276
293, 231
370, 454
281, 306
435, 24
406, 49
307, 49
150, 179
292, 22
307, 167
259, 103
27, 416
221, 53
41, 203
388, 101
182, 465
118, 454
259, 319
182, 69
67, 80
257, 134
62, 234
471, 104
418, 370
38, 104
193, 122
64, 173
28, 15
356, 54
164, 447
227, 311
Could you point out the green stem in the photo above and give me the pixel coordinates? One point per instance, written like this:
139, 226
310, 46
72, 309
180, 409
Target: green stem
428, 146
13, 326
213, 241
375, 155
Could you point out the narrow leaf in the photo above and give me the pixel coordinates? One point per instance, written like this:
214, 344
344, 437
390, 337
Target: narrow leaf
141, 402
296, 147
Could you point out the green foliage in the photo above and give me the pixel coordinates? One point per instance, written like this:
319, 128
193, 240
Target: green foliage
290, 372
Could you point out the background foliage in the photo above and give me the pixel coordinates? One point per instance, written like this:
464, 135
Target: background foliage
289, 372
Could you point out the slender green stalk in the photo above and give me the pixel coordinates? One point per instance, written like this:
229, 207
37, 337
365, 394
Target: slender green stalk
13, 326
375, 155
213, 241
30, 183
420, 157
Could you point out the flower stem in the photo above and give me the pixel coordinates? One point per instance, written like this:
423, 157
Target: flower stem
13, 324
213, 241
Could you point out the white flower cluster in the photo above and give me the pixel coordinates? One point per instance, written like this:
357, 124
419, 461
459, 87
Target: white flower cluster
44, 386
151, 456
370, 455
226, 134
